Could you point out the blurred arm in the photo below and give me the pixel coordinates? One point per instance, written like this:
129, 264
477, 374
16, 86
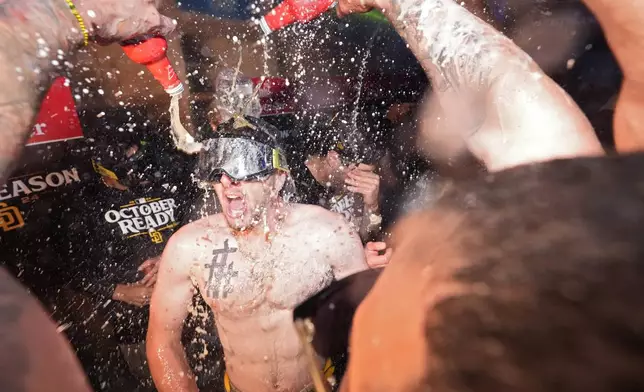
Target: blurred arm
489, 97
621, 22
168, 310
32, 34
34, 356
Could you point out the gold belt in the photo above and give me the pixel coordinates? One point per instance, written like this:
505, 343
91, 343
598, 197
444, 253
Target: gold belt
328, 371
231, 388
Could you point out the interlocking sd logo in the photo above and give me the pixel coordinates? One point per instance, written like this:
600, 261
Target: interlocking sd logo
156, 237
10, 218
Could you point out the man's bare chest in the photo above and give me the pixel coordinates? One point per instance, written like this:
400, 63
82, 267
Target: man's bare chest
237, 279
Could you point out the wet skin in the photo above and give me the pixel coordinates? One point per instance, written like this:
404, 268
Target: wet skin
251, 285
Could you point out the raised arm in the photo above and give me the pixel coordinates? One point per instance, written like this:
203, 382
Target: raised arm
489, 97
32, 32
35, 38
168, 310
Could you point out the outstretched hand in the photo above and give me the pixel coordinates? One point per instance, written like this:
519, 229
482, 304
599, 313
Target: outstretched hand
111, 21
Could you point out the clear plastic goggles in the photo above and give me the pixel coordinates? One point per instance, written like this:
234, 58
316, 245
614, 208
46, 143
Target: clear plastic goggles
241, 159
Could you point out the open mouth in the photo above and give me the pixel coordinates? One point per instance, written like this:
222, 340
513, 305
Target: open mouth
236, 205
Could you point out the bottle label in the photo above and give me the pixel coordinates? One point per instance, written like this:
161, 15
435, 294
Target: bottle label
171, 73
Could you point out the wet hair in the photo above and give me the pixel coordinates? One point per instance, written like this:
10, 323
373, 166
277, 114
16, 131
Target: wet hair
553, 280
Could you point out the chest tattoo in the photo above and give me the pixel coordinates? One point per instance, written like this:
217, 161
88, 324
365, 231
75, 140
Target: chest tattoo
220, 275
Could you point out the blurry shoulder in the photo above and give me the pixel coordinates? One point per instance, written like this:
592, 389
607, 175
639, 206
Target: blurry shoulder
318, 221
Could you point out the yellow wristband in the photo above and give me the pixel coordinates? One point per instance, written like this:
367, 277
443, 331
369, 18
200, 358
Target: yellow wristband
81, 23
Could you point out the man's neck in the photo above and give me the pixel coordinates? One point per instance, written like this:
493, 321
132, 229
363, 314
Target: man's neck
270, 221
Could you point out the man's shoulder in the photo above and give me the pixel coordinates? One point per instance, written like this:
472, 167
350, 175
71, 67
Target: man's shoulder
324, 234
188, 234
307, 213
317, 221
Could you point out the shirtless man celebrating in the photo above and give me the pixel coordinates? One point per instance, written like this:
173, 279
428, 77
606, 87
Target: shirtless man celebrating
252, 264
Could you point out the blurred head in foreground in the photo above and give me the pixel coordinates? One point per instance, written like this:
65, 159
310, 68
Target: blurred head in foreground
527, 280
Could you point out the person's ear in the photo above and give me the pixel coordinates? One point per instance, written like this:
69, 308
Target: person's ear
334, 158
318, 167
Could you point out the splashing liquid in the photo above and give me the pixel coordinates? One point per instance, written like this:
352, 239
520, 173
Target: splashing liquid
182, 139
363, 68
265, 56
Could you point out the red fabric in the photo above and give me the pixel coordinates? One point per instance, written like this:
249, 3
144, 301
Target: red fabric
57, 120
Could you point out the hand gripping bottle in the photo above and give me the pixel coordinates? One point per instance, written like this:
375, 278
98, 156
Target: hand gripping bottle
151, 52
291, 11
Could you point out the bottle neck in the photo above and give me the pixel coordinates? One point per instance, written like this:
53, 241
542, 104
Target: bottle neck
264, 26
175, 90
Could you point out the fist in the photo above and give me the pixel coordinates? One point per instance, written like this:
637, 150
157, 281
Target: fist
346, 7
377, 254
109, 21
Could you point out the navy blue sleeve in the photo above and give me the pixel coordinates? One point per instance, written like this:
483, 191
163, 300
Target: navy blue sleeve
82, 251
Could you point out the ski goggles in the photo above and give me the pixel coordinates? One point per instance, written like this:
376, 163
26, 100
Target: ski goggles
323, 322
241, 159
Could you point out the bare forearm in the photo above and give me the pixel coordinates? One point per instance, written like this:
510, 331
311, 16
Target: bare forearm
169, 366
367, 228
35, 35
458, 50
621, 21
463, 57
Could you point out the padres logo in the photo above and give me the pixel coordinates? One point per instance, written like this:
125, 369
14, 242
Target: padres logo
156, 237
10, 218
